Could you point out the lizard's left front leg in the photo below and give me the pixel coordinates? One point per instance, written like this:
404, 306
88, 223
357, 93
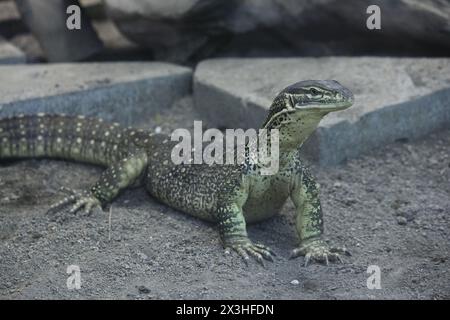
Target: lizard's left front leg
309, 221
233, 232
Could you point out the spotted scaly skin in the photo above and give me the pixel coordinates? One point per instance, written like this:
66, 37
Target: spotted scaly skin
230, 195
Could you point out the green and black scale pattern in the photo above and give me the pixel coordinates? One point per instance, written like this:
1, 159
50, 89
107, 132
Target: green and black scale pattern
231, 195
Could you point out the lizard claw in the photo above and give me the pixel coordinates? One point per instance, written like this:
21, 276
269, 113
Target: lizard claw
318, 250
79, 200
307, 258
341, 250
247, 249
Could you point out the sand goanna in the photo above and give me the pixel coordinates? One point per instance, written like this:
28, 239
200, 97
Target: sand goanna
230, 195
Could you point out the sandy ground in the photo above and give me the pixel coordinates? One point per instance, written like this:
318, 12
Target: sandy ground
390, 208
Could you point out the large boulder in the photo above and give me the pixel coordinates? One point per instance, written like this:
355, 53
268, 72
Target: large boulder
395, 98
195, 29
10, 53
47, 21
174, 30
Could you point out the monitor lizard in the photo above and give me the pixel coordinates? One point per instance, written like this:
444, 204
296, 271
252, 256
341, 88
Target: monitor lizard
230, 195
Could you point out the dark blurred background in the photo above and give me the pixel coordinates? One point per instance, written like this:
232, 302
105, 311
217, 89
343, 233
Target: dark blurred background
186, 31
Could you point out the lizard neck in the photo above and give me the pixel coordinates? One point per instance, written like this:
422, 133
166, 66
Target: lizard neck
294, 130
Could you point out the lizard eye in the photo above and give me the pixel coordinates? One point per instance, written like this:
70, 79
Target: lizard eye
314, 91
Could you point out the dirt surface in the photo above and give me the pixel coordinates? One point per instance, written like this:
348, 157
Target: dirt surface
390, 208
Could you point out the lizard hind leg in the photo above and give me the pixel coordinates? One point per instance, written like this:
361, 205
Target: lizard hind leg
119, 176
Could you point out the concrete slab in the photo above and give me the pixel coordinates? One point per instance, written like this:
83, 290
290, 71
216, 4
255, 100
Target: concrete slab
395, 98
10, 54
126, 92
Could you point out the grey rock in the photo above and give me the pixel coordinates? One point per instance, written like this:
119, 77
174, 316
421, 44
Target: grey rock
174, 30
8, 11
30, 46
58, 42
10, 54
129, 93
394, 98
193, 29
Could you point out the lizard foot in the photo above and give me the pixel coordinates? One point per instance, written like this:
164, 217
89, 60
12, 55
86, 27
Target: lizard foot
247, 249
318, 250
80, 200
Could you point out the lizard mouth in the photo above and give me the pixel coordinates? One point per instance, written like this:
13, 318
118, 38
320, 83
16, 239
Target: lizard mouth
327, 106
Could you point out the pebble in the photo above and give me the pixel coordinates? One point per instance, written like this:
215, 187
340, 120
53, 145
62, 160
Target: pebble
36, 235
143, 289
142, 255
402, 221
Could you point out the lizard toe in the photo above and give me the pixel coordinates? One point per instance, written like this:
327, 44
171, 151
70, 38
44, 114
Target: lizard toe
79, 201
318, 250
265, 253
248, 249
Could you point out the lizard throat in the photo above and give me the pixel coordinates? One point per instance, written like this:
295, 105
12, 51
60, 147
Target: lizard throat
295, 129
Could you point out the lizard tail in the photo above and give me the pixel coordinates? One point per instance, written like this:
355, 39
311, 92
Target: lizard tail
73, 138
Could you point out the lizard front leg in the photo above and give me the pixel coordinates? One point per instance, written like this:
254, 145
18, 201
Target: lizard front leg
309, 221
233, 232
113, 180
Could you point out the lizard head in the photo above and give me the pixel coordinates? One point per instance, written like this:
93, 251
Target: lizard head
317, 95
298, 109
310, 97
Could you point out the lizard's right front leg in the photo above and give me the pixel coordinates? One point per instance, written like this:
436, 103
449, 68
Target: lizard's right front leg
234, 236
305, 195
113, 180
